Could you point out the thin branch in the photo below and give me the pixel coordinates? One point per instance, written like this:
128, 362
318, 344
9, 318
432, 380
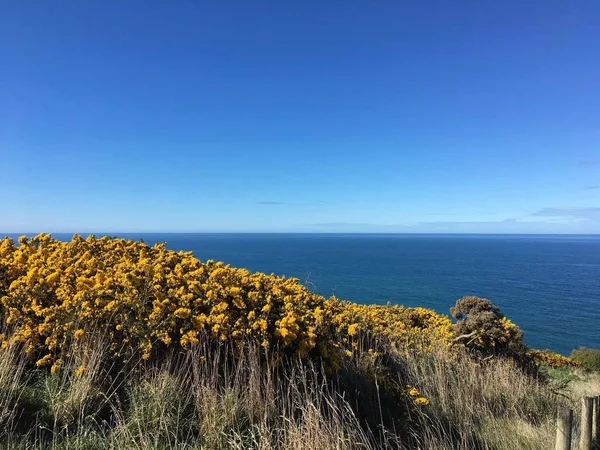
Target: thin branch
464, 336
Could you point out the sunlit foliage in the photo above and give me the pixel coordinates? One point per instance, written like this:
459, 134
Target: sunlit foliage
588, 358
551, 359
147, 298
483, 328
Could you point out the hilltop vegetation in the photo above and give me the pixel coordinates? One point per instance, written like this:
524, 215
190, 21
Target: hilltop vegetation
148, 299
109, 343
587, 358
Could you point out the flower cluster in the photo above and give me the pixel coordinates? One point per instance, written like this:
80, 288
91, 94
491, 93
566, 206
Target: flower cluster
415, 395
412, 329
551, 359
147, 297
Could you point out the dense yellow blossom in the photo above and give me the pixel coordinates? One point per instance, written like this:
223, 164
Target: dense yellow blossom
417, 329
78, 333
353, 329
551, 359
421, 401
144, 298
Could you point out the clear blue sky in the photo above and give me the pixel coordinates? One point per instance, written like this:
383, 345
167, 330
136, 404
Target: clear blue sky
292, 116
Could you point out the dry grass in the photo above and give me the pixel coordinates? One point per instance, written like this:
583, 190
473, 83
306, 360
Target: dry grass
12, 367
493, 405
582, 384
72, 392
207, 398
587, 384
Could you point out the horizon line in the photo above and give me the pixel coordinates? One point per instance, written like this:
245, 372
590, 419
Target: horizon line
297, 232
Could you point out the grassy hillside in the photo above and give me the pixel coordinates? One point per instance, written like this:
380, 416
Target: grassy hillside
108, 343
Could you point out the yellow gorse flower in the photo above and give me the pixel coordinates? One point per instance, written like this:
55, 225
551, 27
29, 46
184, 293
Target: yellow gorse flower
145, 297
551, 359
421, 401
78, 334
353, 329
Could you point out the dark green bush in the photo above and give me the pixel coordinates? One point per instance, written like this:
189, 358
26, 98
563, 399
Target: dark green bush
588, 358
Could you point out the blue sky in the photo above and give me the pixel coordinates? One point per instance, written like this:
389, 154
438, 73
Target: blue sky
289, 116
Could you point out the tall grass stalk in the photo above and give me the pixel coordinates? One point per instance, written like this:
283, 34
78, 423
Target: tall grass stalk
216, 396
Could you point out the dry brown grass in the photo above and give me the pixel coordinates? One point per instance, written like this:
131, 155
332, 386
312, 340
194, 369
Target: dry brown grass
586, 385
12, 367
204, 398
493, 405
207, 398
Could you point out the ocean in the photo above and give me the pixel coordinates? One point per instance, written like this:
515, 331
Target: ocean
548, 285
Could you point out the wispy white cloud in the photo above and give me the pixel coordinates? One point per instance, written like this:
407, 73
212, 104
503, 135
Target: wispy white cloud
352, 225
579, 213
503, 226
547, 220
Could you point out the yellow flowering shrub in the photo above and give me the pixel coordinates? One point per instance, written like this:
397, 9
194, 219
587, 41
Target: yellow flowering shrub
145, 298
416, 329
549, 358
482, 327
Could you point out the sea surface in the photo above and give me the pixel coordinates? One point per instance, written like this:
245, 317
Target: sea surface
548, 285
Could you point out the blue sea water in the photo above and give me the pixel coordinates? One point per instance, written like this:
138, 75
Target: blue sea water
548, 285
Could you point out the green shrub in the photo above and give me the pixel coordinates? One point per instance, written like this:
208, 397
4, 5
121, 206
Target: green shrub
588, 358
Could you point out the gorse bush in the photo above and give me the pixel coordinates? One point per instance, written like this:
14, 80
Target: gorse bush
144, 296
483, 328
415, 329
588, 358
148, 299
551, 359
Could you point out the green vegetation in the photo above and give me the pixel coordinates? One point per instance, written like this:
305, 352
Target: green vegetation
587, 358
